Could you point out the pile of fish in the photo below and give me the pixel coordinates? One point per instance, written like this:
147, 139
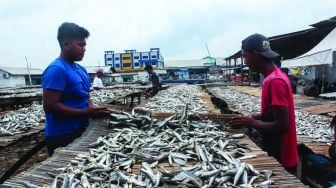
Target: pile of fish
312, 125
19, 121
241, 101
145, 152
109, 95
175, 98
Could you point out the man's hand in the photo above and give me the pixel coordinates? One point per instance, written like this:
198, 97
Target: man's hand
97, 112
238, 122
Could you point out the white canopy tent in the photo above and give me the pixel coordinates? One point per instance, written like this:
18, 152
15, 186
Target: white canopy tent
322, 54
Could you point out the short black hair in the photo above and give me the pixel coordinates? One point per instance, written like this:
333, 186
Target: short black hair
148, 67
69, 31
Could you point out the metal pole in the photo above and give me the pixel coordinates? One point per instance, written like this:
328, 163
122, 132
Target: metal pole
207, 49
323, 78
30, 81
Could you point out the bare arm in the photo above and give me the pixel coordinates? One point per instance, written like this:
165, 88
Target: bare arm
256, 116
280, 122
52, 104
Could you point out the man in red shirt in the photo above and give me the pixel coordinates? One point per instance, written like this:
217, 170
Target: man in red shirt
276, 122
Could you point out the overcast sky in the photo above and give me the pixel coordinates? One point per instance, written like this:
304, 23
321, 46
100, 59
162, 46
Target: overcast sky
180, 28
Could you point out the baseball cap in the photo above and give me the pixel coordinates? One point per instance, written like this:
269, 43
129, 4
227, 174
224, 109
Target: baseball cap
260, 44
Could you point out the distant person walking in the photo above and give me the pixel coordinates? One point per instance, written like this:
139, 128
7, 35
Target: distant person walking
97, 81
276, 122
66, 86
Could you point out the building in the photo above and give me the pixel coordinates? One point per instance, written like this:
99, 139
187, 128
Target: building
18, 77
209, 61
133, 61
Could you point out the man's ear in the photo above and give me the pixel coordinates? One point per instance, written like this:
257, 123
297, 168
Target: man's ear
66, 44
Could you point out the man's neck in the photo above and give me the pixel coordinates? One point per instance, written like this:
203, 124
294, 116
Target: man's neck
67, 58
268, 68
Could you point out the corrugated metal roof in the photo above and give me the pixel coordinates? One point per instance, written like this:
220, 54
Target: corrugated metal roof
291, 45
21, 71
93, 69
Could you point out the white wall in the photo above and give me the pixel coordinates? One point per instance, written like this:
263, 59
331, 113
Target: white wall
117, 55
12, 81
136, 60
109, 62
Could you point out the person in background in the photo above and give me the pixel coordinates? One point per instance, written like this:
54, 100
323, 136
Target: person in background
66, 86
276, 122
332, 148
156, 85
97, 82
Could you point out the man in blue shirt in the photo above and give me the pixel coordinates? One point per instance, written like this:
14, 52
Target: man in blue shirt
66, 86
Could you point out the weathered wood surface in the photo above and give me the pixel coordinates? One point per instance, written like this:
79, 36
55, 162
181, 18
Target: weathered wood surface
62, 156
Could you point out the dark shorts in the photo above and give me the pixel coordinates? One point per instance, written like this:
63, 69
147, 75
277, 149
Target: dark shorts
54, 142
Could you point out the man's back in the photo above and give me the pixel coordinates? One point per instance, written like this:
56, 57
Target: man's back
277, 91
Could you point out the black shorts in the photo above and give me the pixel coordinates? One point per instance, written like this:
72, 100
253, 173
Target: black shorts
54, 142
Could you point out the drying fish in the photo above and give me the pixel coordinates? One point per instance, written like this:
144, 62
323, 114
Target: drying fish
110, 94
174, 99
312, 125
20, 121
207, 156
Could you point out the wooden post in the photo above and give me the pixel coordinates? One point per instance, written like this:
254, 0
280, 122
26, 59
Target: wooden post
235, 69
230, 70
242, 72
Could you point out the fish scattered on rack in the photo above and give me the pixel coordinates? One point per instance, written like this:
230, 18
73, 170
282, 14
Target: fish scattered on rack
176, 97
202, 153
20, 121
313, 125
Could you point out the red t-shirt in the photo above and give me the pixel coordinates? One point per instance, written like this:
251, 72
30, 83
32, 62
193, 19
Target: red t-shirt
277, 91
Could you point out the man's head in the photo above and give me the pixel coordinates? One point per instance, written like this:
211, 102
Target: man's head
256, 49
148, 68
100, 72
72, 40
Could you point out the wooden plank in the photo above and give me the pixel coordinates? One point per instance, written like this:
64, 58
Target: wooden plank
6, 141
321, 109
62, 157
317, 147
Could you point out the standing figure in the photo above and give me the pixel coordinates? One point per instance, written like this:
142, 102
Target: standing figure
66, 86
276, 122
97, 82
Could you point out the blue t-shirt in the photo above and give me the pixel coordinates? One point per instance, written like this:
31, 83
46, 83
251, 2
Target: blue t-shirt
74, 83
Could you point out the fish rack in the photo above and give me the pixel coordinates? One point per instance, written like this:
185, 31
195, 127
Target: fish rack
130, 96
13, 102
38, 175
6, 141
301, 102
